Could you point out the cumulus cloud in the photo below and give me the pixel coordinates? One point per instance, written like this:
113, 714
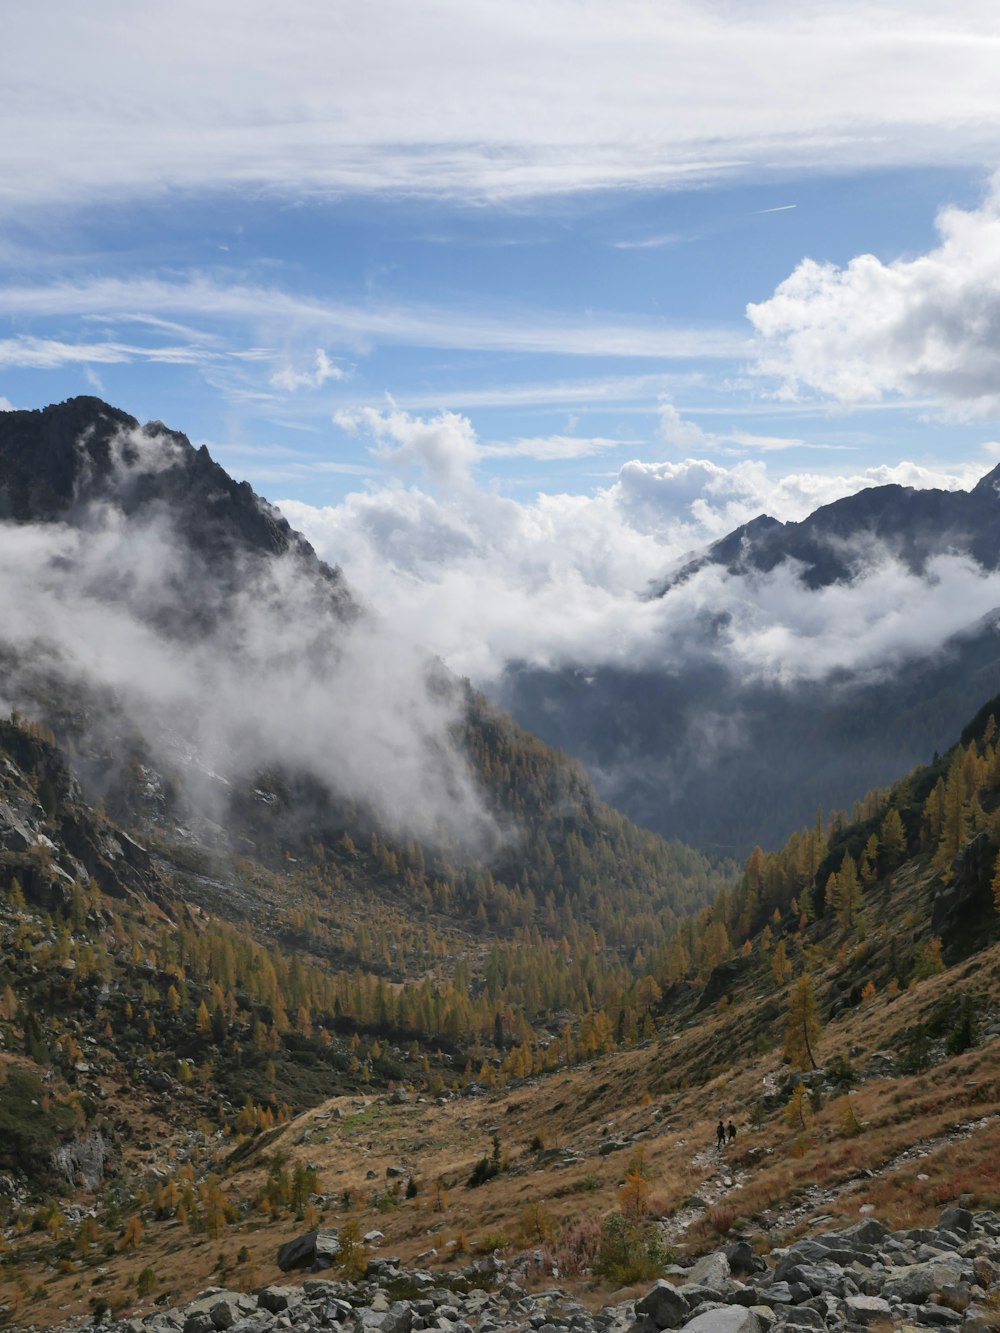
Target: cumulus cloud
290, 380
483, 580
268, 676
926, 326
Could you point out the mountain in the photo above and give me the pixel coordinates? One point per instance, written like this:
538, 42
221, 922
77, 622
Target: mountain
147, 1159
244, 831
836, 542
704, 747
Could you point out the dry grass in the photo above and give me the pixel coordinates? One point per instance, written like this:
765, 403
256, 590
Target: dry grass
668, 1094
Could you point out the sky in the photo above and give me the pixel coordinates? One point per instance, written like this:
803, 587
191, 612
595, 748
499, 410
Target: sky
510, 305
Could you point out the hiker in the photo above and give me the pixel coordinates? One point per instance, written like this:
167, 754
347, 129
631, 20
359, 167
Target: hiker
720, 1134
731, 1131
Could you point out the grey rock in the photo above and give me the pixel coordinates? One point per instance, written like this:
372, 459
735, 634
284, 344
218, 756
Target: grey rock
958, 1220
277, 1299
711, 1271
867, 1309
313, 1249
916, 1282
803, 1316
940, 1316
742, 1259
199, 1322
663, 1305
729, 1319
822, 1277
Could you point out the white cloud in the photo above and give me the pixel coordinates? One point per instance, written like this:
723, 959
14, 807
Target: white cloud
553, 448
913, 327
482, 98
51, 353
274, 678
482, 579
274, 311
648, 242
6, 405
290, 379
681, 433
677, 432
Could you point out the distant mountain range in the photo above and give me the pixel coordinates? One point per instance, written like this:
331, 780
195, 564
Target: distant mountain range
698, 750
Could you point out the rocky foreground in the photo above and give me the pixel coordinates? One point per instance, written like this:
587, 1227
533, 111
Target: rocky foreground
947, 1276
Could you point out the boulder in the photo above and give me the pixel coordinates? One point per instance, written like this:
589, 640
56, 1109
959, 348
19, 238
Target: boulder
914, 1283
278, 1299
313, 1250
727, 1319
712, 1270
742, 1259
868, 1309
957, 1220
663, 1305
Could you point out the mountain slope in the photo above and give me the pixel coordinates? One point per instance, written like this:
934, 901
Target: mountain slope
724, 743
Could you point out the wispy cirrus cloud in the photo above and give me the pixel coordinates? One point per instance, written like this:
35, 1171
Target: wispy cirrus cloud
274, 309
554, 96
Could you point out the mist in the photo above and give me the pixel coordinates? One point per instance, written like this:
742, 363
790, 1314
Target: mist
565, 581
226, 676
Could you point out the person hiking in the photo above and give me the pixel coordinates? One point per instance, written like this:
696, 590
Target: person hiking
731, 1131
720, 1134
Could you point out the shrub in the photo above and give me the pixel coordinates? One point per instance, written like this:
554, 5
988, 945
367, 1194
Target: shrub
629, 1250
145, 1282
721, 1218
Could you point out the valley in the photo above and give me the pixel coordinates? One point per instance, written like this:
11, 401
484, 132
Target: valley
391, 968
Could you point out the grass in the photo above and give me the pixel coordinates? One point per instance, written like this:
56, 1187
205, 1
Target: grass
772, 1195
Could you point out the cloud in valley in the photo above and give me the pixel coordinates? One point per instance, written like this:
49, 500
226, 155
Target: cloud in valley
268, 677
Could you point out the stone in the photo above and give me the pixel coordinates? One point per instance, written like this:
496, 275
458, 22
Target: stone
727, 1319
915, 1283
314, 1250
742, 1259
199, 1322
277, 1299
664, 1305
803, 1317
868, 1309
940, 1315
712, 1270
957, 1220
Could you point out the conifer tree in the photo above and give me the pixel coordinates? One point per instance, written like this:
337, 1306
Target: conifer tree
803, 1027
847, 893
893, 838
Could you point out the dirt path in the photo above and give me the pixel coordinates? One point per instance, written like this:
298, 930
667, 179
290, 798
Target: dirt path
720, 1180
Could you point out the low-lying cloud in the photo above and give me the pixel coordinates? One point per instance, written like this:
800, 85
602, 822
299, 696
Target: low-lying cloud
228, 682
484, 580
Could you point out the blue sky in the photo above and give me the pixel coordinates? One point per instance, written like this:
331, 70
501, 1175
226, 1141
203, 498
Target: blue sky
609, 277
249, 225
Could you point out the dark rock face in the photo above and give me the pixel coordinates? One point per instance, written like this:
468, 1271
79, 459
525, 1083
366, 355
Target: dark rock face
314, 1250
962, 913
835, 543
57, 462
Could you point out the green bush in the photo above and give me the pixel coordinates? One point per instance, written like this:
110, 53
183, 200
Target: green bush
629, 1251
